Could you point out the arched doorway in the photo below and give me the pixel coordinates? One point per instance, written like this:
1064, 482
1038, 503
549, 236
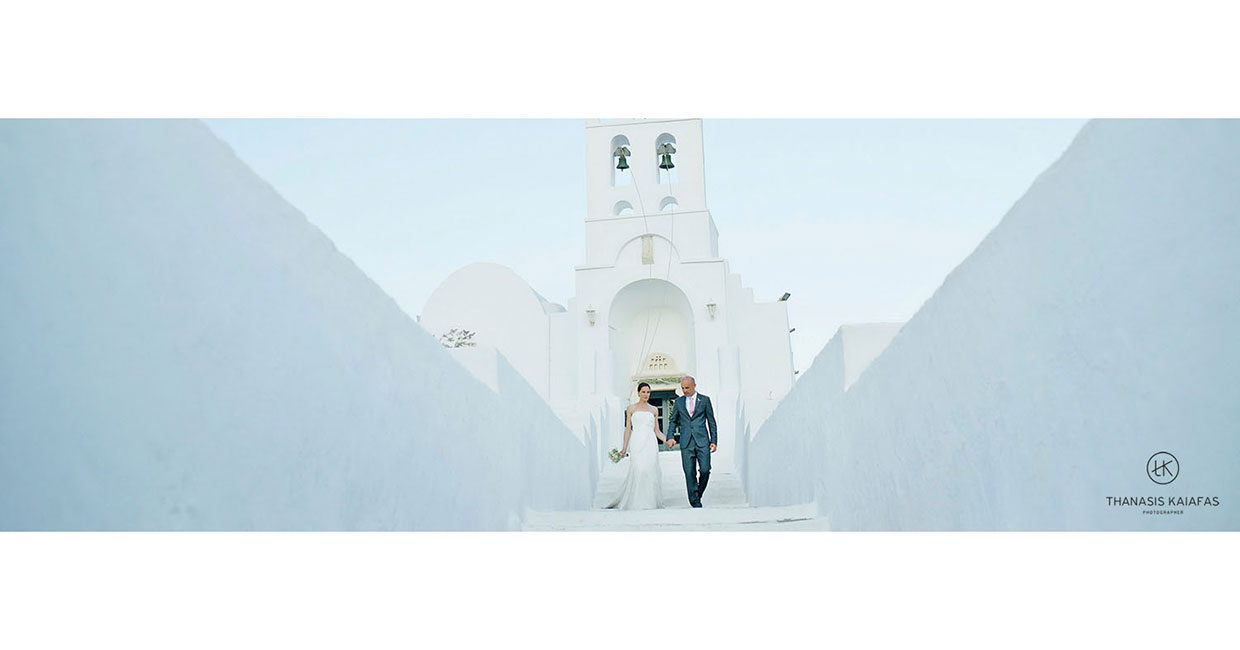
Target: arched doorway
651, 339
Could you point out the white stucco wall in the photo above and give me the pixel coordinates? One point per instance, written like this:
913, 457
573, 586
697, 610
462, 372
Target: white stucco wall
784, 443
862, 343
183, 350
504, 312
481, 362
1092, 328
565, 385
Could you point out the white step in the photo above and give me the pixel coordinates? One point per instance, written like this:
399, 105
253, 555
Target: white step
724, 507
706, 518
724, 488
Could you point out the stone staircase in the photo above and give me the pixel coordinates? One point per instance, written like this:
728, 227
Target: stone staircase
724, 507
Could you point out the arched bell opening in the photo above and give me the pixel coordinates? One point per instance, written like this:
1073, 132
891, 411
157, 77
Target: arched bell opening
621, 152
665, 158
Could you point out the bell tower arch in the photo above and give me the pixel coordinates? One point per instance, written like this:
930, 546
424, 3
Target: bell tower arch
646, 176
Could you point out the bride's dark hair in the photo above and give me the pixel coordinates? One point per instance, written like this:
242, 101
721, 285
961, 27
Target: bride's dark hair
639, 386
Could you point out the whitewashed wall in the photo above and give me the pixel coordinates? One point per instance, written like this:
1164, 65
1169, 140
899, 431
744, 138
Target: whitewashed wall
1092, 328
182, 350
503, 311
791, 455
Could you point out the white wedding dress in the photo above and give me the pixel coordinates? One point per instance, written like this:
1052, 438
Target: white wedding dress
643, 484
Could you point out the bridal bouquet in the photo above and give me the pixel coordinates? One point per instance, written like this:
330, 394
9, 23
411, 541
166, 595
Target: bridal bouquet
614, 455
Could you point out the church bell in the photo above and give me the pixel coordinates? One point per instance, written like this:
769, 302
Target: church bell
665, 155
622, 153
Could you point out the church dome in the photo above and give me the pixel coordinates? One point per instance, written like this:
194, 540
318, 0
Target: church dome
502, 311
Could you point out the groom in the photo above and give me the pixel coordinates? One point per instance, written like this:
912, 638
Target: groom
694, 416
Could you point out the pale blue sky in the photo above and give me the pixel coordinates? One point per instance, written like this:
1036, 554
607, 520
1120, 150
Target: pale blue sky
859, 219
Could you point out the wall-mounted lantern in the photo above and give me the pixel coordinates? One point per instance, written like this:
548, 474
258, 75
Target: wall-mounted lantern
710, 308
590, 314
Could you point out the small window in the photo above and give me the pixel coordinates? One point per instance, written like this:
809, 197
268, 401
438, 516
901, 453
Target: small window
622, 207
668, 205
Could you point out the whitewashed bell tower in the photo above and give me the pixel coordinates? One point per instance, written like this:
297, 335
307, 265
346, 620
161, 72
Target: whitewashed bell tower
654, 300
659, 301
614, 196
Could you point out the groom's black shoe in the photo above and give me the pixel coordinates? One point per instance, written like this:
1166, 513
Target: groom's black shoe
697, 504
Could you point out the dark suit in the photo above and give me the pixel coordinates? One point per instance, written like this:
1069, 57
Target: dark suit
700, 432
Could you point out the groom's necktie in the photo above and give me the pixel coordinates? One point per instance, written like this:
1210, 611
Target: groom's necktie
691, 402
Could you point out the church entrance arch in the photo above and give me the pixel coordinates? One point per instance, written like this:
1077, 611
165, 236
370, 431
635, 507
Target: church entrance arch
651, 338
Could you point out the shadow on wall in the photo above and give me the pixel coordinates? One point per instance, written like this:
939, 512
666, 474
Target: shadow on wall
785, 447
1092, 328
237, 372
605, 418
559, 472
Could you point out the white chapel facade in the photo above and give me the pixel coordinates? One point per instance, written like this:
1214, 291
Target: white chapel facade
654, 299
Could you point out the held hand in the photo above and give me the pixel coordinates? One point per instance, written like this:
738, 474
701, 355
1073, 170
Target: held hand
624, 452
712, 448
671, 443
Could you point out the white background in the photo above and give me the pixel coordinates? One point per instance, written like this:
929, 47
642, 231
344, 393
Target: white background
883, 59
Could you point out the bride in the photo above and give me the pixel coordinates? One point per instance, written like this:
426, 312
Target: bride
643, 484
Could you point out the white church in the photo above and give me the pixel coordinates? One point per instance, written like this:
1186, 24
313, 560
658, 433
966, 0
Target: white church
654, 300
